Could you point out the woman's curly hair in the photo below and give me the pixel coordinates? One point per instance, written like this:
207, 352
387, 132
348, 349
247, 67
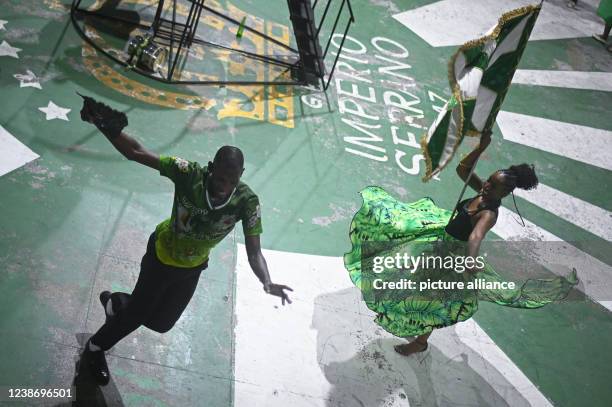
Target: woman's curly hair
522, 176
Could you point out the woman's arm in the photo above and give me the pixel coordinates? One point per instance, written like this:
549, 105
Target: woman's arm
485, 222
465, 166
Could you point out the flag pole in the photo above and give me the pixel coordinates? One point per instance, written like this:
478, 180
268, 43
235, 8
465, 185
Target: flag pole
467, 181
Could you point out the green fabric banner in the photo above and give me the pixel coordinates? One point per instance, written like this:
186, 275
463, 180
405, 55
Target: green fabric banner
480, 74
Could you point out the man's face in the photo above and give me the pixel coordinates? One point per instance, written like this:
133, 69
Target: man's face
223, 179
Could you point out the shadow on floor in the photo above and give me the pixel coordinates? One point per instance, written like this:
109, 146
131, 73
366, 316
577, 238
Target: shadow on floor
358, 360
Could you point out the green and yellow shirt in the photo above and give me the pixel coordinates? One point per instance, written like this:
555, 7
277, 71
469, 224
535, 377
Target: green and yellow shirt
194, 228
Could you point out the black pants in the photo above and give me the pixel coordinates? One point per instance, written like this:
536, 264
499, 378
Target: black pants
159, 298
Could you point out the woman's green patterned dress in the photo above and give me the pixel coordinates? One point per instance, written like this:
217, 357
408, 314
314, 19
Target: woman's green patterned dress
383, 218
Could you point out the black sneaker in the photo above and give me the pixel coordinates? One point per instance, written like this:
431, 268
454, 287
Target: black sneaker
96, 362
104, 297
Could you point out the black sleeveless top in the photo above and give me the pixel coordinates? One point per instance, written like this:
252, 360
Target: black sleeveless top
460, 227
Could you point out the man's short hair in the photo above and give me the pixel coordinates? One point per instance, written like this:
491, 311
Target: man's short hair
229, 157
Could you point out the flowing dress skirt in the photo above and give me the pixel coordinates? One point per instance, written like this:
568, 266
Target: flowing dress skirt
605, 11
382, 218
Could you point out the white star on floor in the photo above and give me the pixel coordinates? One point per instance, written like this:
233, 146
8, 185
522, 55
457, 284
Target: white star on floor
53, 111
7, 50
2, 23
29, 80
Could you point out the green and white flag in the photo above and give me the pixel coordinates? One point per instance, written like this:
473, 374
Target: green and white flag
479, 73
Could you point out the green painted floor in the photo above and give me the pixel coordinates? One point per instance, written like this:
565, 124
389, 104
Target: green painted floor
76, 220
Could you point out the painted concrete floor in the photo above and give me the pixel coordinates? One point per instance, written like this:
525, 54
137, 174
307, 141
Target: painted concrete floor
76, 215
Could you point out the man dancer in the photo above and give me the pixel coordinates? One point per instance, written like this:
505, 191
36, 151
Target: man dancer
208, 201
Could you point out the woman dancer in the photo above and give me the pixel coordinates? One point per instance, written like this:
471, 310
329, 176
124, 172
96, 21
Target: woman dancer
605, 11
382, 218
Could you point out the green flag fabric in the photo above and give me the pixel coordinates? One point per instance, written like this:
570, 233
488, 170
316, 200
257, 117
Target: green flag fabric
479, 74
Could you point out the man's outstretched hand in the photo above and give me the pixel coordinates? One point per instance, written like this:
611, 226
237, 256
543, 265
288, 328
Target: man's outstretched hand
278, 290
109, 121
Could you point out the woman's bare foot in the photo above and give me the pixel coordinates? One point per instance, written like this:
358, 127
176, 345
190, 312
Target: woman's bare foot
408, 349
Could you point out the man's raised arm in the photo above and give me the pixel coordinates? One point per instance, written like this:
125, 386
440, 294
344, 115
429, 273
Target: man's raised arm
110, 123
134, 151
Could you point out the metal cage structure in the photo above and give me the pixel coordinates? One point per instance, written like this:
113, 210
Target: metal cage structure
177, 37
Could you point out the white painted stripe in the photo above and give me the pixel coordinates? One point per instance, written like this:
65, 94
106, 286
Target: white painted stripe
585, 144
601, 81
574, 210
325, 349
473, 336
453, 22
606, 304
595, 276
508, 227
14, 153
